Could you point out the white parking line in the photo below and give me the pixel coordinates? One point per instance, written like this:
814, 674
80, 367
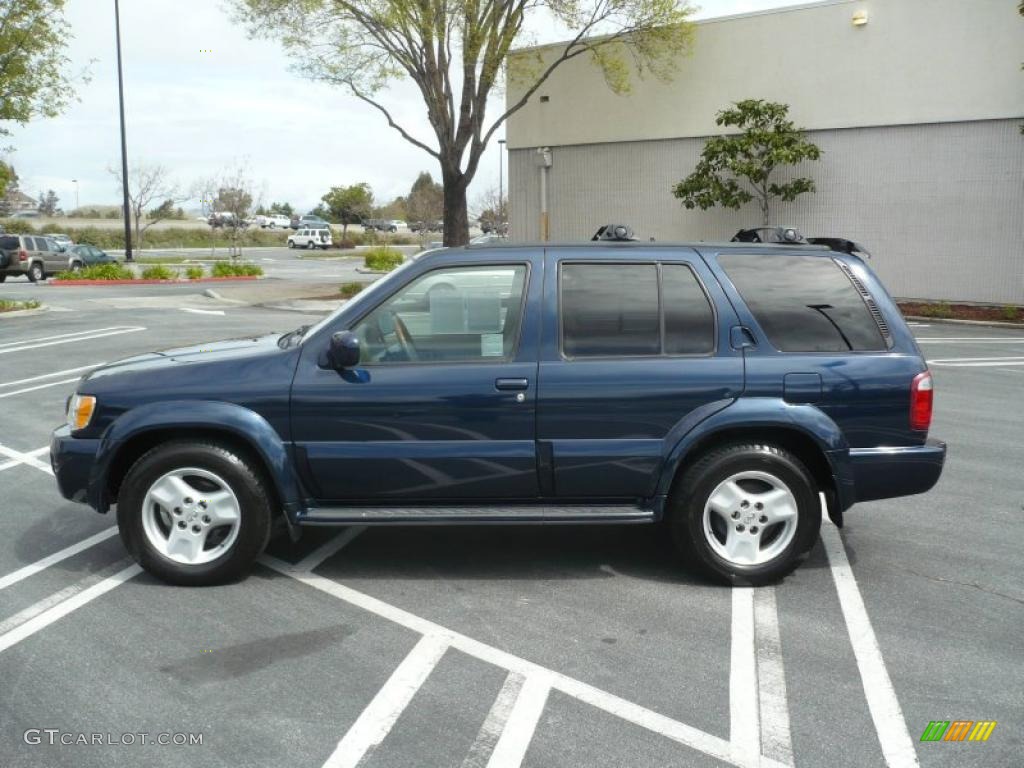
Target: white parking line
56, 557
98, 333
66, 371
375, 722
18, 462
494, 723
978, 362
57, 336
38, 386
967, 339
61, 610
203, 311
653, 721
776, 736
893, 736
744, 723
29, 459
522, 722
331, 548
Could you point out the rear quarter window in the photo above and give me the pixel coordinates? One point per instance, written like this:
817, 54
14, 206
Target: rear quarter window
803, 303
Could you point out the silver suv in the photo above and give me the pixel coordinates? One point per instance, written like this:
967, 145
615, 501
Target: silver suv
34, 256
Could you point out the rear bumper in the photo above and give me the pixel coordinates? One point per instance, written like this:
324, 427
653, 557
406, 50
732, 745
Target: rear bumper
885, 473
72, 459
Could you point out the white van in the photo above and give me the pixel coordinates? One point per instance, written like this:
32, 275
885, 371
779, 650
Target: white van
311, 238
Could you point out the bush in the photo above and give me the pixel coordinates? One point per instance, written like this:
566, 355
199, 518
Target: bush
171, 237
194, 273
1010, 314
237, 269
99, 272
938, 310
158, 272
348, 290
14, 306
382, 259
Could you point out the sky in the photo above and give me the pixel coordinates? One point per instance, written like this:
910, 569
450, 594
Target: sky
202, 98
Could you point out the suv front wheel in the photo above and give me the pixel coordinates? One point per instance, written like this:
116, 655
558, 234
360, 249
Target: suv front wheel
194, 513
745, 514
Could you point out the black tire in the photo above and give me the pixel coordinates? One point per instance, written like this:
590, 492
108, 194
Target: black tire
76, 266
291, 243
310, 245
686, 506
3, 278
245, 480
36, 272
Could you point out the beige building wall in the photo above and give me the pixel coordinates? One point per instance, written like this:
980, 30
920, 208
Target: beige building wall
915, 61
918, 114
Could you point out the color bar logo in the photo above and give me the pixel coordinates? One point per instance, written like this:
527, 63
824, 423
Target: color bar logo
958, 730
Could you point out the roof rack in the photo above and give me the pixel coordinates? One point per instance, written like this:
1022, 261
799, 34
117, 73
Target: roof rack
792, 236
614, 232
840, 244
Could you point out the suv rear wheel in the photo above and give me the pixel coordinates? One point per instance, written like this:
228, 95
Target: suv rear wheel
35, 272
194, 513
745, 513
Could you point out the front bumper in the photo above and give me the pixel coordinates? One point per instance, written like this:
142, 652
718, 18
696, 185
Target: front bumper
885, 473
72, 459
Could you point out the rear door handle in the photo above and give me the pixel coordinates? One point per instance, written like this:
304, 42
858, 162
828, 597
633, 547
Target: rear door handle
511, 384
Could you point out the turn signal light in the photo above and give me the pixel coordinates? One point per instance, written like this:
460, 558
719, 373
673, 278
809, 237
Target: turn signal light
921, 402
80, 411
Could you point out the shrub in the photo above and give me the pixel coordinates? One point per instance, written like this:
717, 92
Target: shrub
1010, 314
382, 259
348, 290
938, 310
158, 272
194, 273
236, 269
99, 272
13, 306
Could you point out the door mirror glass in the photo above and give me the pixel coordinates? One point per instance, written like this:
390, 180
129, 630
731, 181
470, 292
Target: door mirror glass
343, 352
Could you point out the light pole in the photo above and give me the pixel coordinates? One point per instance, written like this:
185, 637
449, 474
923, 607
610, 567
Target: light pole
501, 182
124, 144
77, 204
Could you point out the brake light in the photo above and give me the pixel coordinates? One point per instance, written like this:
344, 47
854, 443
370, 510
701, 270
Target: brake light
921, 402
22, 255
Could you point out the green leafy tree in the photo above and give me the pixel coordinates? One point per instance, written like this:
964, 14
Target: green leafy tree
455, 52
34, 77
426, 199
392, 210
282, 209
349, 205
8, 183
738, 168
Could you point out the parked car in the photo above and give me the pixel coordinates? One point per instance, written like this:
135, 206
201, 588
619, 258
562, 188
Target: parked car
225, 219
383, 225
720, 388
426, 226
309, 221
311, 238
89, 255
64, 241
34, 256
396, 224
273, 221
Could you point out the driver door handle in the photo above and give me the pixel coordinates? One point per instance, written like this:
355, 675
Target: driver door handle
511, 384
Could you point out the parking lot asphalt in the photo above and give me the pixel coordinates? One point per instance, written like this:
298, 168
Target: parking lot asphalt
553, 646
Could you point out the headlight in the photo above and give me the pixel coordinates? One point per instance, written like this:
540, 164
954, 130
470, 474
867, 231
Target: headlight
80, 411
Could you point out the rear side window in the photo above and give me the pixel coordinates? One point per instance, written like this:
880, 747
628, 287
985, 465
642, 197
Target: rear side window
9, 243
804, 303
630, 310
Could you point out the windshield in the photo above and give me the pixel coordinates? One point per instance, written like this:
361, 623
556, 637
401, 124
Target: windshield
370, 294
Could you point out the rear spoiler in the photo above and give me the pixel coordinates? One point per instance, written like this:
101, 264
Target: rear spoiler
840, 244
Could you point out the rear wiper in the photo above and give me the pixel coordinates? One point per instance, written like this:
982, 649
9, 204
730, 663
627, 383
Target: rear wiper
292, 337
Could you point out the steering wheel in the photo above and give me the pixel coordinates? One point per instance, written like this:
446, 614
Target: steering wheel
404, 337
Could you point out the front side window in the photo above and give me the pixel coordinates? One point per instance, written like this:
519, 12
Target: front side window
452, 315
631, 310
804, 303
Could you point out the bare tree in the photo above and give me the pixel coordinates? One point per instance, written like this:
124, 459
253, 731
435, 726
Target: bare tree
490, 209
148, 184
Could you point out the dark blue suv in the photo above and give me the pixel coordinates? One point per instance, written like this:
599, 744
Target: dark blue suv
723, 389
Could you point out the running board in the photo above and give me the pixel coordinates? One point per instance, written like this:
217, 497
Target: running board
514, 515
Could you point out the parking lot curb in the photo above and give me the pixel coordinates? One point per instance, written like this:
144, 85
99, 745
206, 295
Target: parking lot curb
240, 278
952, 321
24, 312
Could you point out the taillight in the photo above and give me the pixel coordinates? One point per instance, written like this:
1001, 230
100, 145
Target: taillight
921, 402
22, 255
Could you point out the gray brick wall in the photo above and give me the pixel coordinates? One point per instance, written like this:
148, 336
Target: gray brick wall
941, 206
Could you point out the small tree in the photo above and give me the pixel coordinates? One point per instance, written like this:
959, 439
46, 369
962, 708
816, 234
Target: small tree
48, 203
282, 209
733, 170
349, 205
426, 199
491, 210
146, 185
234, 197
8, 182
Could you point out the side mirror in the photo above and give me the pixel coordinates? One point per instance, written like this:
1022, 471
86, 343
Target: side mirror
343, 351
